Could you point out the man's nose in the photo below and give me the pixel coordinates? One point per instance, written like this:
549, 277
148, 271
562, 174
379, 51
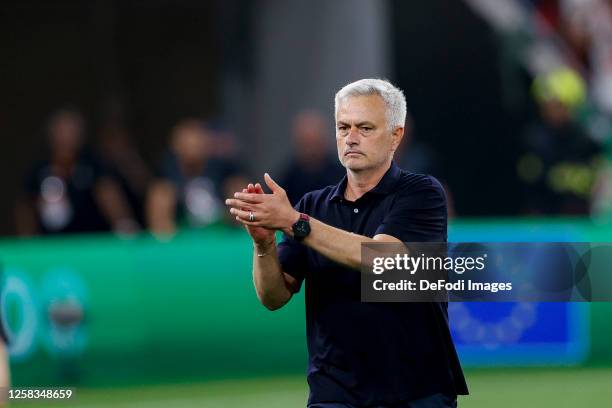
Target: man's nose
353, 137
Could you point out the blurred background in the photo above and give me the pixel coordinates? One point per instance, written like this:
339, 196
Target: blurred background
125, 124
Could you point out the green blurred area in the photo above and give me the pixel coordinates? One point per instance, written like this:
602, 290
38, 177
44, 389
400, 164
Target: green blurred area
177, 324
559, 388
185, 309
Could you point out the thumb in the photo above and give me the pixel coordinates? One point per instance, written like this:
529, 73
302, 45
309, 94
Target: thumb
272, 184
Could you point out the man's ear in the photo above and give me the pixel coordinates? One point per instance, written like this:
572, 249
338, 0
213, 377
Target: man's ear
397, 135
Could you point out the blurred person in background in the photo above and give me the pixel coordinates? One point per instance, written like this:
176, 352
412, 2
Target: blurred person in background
585, 28
70, 191
5, 376
415, 155
586, 25
313, 165
225, 149
5, 372
224, 145
419, 157
125, 162
559, 162
191, 181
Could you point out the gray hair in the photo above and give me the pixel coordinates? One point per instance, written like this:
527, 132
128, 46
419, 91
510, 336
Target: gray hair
394, 98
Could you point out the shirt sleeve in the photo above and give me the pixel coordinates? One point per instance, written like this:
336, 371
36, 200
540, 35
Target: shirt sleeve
418, 214
293, 255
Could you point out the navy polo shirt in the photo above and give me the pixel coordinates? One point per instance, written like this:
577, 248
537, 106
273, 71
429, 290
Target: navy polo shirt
373, 353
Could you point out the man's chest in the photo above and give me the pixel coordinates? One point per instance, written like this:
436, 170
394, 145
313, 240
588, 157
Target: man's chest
363, 217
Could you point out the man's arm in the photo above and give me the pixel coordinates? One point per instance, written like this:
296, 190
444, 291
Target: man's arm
338, 245
114, 206
25, 216
273, 211
273, 286
160, 208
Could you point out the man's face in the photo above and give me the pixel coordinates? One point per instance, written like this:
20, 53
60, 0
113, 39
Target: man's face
310, 138
363, 137
65, 133
191, 144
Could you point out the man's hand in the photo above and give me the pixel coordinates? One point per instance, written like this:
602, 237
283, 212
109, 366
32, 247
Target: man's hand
270, 211
262, 237
274, 287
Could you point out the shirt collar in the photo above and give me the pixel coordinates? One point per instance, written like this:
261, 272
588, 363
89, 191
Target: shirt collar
386, 184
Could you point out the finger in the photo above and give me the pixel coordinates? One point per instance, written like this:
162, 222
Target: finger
259, 189
234, 202
244, 215
244, 190
272, 184
251, 198
230, 201
245, 209
248, 223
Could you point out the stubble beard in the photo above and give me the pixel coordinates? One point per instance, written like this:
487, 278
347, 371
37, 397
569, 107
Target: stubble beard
361, 166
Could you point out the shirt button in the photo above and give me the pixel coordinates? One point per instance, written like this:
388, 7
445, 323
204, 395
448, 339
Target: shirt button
356, 210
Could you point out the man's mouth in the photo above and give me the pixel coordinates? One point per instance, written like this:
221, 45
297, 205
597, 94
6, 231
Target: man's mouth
350, 152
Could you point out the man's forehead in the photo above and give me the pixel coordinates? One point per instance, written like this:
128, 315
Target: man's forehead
360, 107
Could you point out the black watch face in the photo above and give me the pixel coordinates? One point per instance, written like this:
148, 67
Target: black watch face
301, 229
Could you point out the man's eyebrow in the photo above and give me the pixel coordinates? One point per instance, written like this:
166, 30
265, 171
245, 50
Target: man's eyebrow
366, 123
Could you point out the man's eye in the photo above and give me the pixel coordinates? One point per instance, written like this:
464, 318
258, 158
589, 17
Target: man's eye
366, 129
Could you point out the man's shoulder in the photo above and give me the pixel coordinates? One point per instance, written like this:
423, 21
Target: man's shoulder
324, 193
409, 182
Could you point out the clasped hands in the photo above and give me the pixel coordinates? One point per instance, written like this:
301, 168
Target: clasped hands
254, 208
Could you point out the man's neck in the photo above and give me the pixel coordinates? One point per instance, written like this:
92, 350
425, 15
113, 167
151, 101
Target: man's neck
359, 183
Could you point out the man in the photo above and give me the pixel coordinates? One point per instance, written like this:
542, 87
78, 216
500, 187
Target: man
312, 166
360, 354
191, 181
71, 191
5, 371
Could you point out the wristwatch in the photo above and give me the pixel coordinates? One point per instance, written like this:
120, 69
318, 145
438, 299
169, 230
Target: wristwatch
301, 228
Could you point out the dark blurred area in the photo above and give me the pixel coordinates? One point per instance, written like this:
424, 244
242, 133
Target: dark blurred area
135, 115
314, 165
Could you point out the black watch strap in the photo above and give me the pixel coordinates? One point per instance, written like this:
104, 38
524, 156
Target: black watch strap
301, 228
